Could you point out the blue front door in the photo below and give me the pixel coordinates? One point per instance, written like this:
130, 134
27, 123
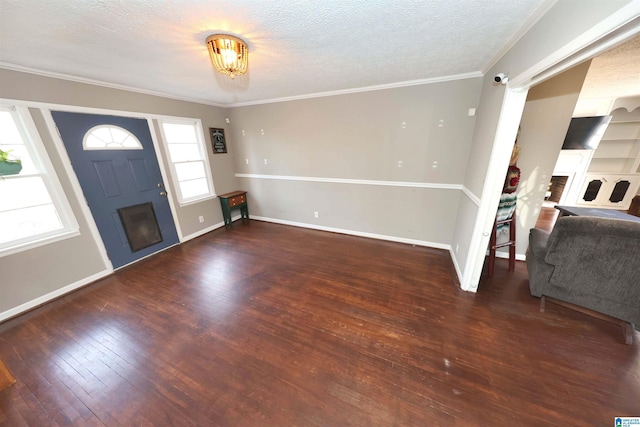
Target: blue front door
120, 185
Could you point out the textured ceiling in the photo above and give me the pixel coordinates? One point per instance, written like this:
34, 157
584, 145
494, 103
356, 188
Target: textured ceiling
615, 73
297, 47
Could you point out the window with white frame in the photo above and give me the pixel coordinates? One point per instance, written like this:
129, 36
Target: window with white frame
33, 207
184, 140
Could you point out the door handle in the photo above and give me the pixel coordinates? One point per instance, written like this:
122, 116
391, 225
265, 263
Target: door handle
159, 185
163, 193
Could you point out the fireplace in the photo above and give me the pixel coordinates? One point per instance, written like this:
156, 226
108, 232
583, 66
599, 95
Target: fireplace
140, 225
556, 188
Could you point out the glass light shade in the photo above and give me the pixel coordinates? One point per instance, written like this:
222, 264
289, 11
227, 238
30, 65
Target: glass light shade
229, 54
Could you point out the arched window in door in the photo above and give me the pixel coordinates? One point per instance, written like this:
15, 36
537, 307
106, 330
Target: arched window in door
109, 137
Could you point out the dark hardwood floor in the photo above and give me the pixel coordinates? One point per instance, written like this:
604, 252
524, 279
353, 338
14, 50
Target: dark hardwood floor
270, 325
547, 218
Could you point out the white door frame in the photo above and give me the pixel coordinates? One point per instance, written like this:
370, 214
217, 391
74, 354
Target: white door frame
45, 108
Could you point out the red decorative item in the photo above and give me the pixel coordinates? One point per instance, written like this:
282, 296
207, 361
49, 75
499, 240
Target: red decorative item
512, 180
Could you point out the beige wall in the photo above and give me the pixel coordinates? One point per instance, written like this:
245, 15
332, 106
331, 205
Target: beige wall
545, 120
26, 276
47, 270
361, 136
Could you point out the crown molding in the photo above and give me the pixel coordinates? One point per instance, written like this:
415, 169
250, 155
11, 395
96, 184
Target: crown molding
407, 83
68, 77
20, 68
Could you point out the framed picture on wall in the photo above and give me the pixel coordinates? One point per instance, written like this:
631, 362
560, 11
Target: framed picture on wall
218, 140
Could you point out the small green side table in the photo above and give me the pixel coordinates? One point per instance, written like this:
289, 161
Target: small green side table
234, 200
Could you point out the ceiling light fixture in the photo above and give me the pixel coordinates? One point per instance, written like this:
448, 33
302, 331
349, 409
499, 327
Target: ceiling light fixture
229, 54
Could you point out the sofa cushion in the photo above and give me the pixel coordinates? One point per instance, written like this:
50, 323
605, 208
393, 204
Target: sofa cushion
596, 256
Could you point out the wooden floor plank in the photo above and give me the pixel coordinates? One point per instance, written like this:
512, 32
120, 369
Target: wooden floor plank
270, 325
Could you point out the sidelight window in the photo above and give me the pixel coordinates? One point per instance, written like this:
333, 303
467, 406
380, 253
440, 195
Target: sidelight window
33, 207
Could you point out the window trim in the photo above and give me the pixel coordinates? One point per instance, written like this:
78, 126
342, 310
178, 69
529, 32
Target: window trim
37, 151
202, 148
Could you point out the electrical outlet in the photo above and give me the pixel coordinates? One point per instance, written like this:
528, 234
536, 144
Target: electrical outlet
265, 161
246, 161
315, 214
201, 219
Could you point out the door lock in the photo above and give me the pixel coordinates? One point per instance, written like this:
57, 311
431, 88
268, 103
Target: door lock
160, 185
163, 193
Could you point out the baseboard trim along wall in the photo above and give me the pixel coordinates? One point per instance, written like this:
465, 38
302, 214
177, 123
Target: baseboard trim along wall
505, 255
15, 311
206, 230
456, 265
355, 233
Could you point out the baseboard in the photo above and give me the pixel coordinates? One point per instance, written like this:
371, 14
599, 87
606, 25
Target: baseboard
15, 311
505, 255
454, 259
355, 233
206, 230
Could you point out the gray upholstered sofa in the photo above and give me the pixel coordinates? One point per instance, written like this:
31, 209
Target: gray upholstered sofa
589, 262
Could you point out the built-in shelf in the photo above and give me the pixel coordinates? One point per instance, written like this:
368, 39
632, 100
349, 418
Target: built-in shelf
619, 149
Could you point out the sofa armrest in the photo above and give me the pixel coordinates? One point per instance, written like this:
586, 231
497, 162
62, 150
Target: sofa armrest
539, 270
538, 242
